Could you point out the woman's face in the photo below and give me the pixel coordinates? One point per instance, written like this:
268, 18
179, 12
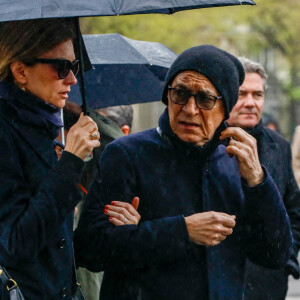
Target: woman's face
42, 79
190, 123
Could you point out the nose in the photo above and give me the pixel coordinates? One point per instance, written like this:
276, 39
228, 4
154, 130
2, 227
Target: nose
71, 79
191, 107
249, 100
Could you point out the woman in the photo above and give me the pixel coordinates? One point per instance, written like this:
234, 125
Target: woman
199, 219
38, 194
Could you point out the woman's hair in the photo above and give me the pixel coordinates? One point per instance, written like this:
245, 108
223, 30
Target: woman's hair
26, 40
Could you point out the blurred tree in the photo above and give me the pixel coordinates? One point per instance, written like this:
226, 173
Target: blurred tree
242, 30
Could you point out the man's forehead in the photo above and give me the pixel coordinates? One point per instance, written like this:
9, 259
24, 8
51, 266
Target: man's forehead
192, 79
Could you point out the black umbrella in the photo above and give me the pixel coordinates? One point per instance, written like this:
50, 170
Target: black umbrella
13, 10
125, 71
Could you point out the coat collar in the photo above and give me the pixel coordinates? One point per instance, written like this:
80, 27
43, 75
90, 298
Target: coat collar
41, 143
267, 146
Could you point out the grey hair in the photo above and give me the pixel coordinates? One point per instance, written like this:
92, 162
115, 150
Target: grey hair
251, 66
122, 114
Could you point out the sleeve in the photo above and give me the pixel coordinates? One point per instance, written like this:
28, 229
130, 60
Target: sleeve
27, 220
291, 200
271, 238
98, 242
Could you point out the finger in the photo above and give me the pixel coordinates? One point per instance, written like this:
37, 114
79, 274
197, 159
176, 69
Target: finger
227, 215
84, 120
120, 213
221, 237
227, 222
115, 221
226, 231
115, 215
124, 205
237, 133
135, 202
95, 135
241, 152
90, 127
94, 144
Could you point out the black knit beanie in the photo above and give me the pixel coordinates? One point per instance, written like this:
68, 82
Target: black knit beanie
223, 69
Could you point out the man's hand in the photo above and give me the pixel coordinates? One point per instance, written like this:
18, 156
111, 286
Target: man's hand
209, 228
244, 147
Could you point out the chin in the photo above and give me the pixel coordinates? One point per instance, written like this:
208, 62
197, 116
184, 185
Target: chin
247, 123
60, 103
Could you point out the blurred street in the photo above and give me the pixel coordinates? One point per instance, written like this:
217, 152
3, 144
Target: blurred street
294, 288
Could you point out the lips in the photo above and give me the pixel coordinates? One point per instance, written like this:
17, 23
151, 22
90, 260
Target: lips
65, 94
188, 124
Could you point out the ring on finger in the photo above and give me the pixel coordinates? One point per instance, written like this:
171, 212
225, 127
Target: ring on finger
124, 220
94, 135
234, 143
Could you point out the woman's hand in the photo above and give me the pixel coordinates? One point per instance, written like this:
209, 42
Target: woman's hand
123, 213
83, 137
244, 147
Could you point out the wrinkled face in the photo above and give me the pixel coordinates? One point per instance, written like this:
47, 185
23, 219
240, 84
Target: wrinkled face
43, 81
248, 109
190, 123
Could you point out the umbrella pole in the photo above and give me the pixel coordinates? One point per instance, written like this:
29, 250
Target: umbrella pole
81, 71
63, 140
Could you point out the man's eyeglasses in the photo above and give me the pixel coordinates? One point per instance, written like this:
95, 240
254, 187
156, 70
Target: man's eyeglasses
203, 100
62, 66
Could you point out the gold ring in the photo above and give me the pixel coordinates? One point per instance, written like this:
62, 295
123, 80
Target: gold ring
94, 135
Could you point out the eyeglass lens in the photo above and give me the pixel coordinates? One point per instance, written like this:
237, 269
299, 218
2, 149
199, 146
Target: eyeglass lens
202, 99
65, 66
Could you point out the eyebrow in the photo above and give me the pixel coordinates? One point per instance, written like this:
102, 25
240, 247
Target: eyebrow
250, 91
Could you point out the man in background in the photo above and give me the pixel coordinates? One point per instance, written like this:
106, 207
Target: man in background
122, 115
274, 153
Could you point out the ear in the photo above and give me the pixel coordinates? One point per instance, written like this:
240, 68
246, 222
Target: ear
18, 70
125, 129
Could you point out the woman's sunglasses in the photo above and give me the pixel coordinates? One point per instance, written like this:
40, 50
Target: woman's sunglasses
62, 66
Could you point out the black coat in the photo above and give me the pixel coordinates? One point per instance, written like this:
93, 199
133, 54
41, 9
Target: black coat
156, 259
37, 200
275, 153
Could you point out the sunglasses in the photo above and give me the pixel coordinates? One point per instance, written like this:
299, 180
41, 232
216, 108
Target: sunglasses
62, 66
203, 100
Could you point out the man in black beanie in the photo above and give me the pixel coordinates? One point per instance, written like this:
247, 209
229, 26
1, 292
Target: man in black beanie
206, 203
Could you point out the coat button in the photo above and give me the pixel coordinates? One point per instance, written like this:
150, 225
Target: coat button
63, 292
62, 243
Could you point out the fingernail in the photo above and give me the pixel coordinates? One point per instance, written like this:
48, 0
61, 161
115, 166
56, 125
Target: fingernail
105, 210
109, 218
106, 207
112, 203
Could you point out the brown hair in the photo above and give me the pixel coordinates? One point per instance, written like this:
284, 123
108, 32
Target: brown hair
26, 40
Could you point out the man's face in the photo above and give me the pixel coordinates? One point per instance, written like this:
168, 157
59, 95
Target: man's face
248, 110
190, 123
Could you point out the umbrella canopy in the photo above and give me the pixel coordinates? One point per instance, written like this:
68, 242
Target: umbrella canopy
125, 71
22, 9
14, 10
